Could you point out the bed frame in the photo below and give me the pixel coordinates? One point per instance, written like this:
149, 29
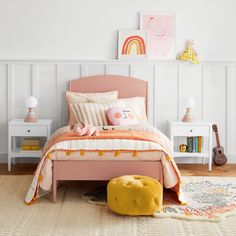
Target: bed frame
106, 170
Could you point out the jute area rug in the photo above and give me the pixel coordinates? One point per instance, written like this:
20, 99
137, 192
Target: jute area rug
72, 215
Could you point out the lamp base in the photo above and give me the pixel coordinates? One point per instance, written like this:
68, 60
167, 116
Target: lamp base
31, 116
188, 117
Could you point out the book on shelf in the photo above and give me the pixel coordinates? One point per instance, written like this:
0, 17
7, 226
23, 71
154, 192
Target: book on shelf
30, 150
194, 144
199, 144
30, 145
190, 144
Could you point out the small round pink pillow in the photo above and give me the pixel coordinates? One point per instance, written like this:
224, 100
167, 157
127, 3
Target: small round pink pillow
121, 116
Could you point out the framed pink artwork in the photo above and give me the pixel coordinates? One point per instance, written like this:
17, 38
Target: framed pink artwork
132, 44
160, 28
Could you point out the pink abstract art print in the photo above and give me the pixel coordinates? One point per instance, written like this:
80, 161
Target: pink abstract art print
160, 34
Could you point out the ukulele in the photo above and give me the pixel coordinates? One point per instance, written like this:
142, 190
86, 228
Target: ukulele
219, 157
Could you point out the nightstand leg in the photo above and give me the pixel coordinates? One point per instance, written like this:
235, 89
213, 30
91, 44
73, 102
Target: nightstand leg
13, 147
210, 150
9, 163
210, 163
9, 149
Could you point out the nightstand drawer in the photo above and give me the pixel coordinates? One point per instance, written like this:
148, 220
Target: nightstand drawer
28, 130
191, 130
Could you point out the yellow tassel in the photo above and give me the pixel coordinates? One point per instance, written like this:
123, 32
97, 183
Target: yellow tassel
82, 152
68, 153
168, 158
117, 153
29, 203
183, 203
34, 200
49, 156
135, 153
40, 178
101, 153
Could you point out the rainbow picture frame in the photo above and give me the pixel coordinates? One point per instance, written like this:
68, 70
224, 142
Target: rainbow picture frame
132, 44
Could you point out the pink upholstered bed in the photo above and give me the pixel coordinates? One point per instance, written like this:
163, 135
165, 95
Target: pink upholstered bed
105, 169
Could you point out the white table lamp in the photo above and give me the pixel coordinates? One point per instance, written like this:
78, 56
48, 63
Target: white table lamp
31, 103
189, 104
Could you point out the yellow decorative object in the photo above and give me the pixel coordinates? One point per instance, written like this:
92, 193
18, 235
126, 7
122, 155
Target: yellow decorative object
81, 152
101, 153
40, 179
183, 148
135, 153
168, 158
68, 153
189, 54
117, 153
30, 147
134, 195
49, 156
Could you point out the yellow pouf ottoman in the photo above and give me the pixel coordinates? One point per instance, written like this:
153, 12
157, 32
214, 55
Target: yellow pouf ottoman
134, 195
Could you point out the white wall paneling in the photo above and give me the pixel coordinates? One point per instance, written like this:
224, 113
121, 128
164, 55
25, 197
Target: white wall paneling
21, 88
4, 106
190, 84
147, 73
118, 69
166, 95
215, 97
231, 112
212, 84
47, 91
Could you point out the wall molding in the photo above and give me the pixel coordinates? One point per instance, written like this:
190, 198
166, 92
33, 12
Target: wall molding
210, 83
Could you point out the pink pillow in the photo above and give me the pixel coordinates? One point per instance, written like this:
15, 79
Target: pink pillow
121, 116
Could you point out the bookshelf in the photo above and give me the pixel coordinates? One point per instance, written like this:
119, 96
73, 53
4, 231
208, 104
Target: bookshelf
181, 130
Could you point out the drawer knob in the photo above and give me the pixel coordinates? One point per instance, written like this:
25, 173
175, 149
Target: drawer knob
28, 130
191, 130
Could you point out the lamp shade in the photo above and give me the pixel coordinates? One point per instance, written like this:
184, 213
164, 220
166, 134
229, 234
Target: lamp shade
31, 102
189, 102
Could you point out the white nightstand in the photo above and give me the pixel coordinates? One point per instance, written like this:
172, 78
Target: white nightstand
17, 128
193, 129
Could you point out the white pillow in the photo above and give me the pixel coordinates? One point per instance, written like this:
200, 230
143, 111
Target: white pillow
137, 105
95, 113
73, 97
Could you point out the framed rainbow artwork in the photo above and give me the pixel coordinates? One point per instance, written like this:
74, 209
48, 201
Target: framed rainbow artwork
132, 44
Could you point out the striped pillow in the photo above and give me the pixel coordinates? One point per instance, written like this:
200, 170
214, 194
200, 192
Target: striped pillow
95, 113
74, 97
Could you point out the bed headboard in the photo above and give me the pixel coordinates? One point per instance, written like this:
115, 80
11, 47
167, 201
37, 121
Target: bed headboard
126, 86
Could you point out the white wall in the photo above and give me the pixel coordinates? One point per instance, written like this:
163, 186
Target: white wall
87, 29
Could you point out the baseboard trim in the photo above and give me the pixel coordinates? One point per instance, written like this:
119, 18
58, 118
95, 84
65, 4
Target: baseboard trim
232, 158
3, 159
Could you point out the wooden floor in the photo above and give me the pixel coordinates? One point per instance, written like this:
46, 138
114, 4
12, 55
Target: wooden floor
185, 169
